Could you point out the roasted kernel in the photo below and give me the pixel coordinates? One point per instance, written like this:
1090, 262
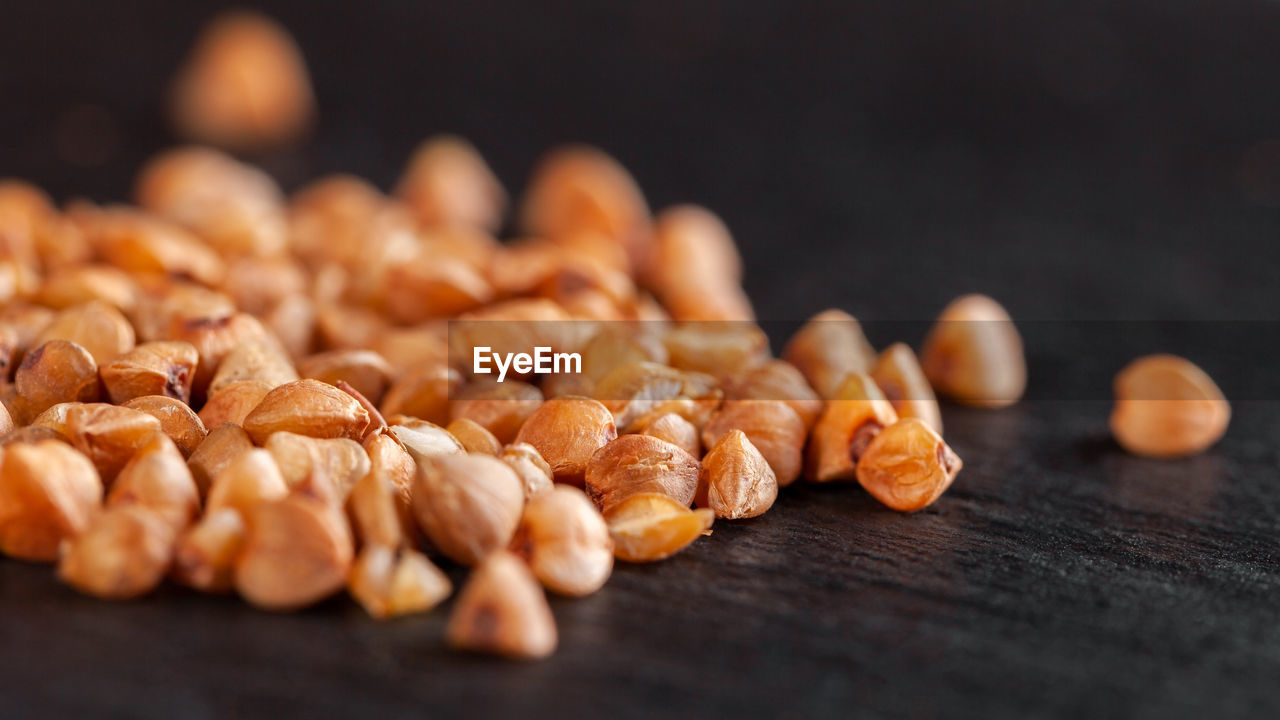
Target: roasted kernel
258, 285
80, 284
610, 349
96, 326
48, 492
214, 337
293, 322
635, 464
502, 610
236, 208
695, 269
372, 506
205, 556
716, 348
898, 374
566, 432
430, 286
388, 586
534, 472
109, 435
158, 478
244, 86
423, 394
566, 542
499, 407
468, 505
365, 370
246, 480
261, 359
56, 372
122, 554
736, 482
341, 460
776, 380
297, 551
233, 402
907, 466
652, 526
829, 347
307, 407
630, 391
447, 183
1167, 407
673, 429
177, 420
153, 368
855, 415
973, 354
143, 244
773, 428
391, 462
474, 438
223, 444
577, 189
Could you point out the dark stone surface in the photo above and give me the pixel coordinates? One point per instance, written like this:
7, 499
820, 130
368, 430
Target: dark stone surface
1081, 161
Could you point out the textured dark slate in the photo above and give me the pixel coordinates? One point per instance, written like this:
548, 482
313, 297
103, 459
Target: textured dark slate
1083, 161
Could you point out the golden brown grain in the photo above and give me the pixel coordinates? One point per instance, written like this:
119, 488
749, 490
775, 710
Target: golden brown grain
566, 432
635, 464
650, 527
898, 373
534, 472
233, 402
307, 407
297, 551
474, 438
158, 478
973, 354
566, 542
153, 368
447, 183
907, 466
48, 492
774, 429
736, 482
499, 407
502, 610
177, 420
56, 372
829, 347
854, 416
220, 446
109, 435
1167, 407
468, 505
122, 554
206, 554
388, 584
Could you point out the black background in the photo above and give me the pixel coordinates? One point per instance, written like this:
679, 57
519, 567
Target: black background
1081, 161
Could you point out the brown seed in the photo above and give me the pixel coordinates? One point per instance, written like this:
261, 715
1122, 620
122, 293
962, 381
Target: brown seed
430, 286
717, 348
776, 380
630, 391
307, 407
635, 464
223, 444
233, 402
293, 322
502, 610
341, 460
773, 428
6, 421
736, 482
146, 245
973, 354
205, 556
261, 359
829, 347
695, 269
365, 370
673, 429
651, 526
406, 349
533, 471
696, 412
258, 285
389, 461
214, 338
448, 183
48, 492
374, 516
177, 420
244, 86
468, 505
566, 542
249, 479
579, 189
158, 478
499, 407
1167, 407
898, 374
611, 349
567, 431
75, 285
154, 368
56, 372
122, 554
23, 324
856, 414
297, 551
236, 208
96, 326
474, 437
907, 466
423, 394
109, 435
388, 586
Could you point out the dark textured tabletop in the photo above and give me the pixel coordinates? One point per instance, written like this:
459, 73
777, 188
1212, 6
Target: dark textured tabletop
1110, 171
